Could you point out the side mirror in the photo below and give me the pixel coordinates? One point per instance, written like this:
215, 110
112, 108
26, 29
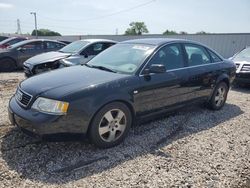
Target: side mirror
155, 68
21, 49
84, 54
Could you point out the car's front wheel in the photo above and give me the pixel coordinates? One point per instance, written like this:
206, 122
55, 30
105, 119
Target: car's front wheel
7, 65
219, 96
110, 125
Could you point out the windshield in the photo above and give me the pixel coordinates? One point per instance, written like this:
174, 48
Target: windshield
74, 47
16, 45
243, 55
123, 58
6, 40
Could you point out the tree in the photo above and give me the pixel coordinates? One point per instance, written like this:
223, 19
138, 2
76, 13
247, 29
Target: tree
136, 28
201, 33
45, 32
183, 33
170, 32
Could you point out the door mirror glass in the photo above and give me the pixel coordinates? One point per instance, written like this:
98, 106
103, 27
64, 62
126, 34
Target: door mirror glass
21, 49
155, 68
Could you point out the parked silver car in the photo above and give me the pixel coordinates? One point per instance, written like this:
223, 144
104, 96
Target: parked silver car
242, 62
75, 53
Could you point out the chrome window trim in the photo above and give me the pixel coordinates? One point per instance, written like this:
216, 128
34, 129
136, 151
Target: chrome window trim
187, 67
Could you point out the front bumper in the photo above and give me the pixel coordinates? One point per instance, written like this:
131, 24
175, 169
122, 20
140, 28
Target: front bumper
242, 78
44, 124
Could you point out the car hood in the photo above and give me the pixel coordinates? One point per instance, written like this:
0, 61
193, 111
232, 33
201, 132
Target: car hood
47, 57
61, 82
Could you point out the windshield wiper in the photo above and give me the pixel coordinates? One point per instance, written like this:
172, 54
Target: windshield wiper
100, 67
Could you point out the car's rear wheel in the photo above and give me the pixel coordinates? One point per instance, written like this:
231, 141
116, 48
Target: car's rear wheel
110, 125
7, 65
219, 96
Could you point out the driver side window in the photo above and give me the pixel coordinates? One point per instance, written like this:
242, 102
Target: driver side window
170, 56
93, 49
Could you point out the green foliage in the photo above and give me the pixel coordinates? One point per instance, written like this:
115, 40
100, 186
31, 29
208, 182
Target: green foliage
170, 32
136, 28
183, 33
45, 32
202, 33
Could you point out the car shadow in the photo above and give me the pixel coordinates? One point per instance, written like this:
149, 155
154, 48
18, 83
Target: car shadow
242, 89
63, 162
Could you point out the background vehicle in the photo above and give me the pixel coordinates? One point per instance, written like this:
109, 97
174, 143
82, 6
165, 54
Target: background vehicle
131, 80
13, 57
75, 53
3, 38
242, 62
10, 41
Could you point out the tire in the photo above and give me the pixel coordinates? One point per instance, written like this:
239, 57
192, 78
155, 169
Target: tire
110, 125
219, 96
7, 65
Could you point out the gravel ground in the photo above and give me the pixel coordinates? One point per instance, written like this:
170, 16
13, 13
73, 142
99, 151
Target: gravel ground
194, 147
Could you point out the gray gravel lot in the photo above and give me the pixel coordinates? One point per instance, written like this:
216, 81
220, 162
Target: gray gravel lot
194, 147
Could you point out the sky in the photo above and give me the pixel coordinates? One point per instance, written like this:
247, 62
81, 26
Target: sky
81, 17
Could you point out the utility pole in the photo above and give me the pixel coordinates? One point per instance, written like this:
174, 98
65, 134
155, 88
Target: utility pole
34, 13
18, 27
116, 31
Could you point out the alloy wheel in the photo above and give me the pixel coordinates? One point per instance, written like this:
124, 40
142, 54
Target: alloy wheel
112, 125
220, 96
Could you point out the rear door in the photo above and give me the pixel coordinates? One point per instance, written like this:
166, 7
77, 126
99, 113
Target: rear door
29, 50
203, 70
162, 90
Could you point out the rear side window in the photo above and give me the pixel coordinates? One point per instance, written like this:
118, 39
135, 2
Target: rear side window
33, 46
53, 45
170, 56
197, 55
214, 56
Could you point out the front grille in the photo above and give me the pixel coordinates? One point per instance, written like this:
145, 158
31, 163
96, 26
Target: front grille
22, 97
245, 68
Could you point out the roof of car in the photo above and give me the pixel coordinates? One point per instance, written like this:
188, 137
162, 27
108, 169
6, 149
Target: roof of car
154, 41
34, 40
99, 40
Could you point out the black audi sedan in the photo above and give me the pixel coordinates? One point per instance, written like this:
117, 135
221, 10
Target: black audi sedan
12, 58
125, 83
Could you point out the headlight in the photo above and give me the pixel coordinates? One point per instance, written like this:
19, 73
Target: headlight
50, 106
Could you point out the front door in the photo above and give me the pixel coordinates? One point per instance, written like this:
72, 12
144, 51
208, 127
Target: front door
163, 90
